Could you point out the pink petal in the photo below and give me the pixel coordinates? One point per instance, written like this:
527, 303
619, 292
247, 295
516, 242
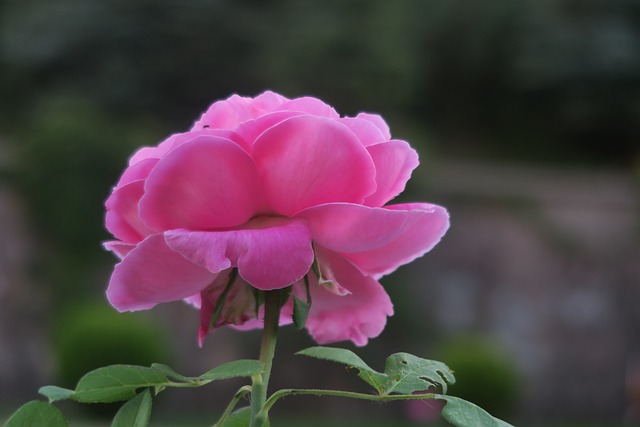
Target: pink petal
268, 101
415, 240
305, 161
176, 140
347, 227
122, 218
152, 273
137, 171
394, 160
252, 129
311, 106
270, 253
357, 316
121, 249
206, 183
378, 121
227, 114
366, 131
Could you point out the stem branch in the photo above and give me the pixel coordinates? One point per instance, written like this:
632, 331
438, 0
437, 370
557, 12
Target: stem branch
339, 393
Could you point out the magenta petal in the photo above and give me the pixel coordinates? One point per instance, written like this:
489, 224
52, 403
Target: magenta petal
346, 227
417, 238
176, 140
270, 253
137, 171
309, 105
227, 114
152, 273
394, 160
378, 121
305, 161
357, 316
120, 249
206, 183
268, 101
252, 129
122, 218
367, 132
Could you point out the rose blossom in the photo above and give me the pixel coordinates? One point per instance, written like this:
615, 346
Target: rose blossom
255, 193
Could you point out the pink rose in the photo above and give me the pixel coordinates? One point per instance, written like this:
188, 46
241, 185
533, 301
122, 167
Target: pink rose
248, 198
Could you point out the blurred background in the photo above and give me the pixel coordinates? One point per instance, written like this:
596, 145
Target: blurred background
526, 115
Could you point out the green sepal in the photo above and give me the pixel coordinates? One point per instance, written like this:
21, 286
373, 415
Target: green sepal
301, 308
217, 310
37, 414
300, 312
134, 413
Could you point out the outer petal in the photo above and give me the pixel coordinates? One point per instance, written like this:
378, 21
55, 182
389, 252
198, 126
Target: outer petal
347, 227
367, 132
268, 101
152, 273
305, 161
415, 240
178, 139
122, 218
269, 253
311, 106
357, 316
378, 121
206, 183
137, 171
120, 249
394, 160
227, 114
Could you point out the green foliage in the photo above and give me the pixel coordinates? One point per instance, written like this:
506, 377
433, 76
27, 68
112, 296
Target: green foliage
117, 382
239, 418
403, 373
407, 374
236, 368
55, 393
37, 414
461, 413
404, 376
135, 413
133, 384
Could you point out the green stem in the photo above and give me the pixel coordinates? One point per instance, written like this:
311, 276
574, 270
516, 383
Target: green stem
239, 395
339, 393
260, 382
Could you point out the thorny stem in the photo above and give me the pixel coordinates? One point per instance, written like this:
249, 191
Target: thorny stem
272, 304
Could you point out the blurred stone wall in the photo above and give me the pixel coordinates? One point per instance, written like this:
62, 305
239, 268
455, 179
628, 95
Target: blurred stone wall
547, 263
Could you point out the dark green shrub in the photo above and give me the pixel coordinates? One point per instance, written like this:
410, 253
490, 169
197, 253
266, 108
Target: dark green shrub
484, 374
95, 335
